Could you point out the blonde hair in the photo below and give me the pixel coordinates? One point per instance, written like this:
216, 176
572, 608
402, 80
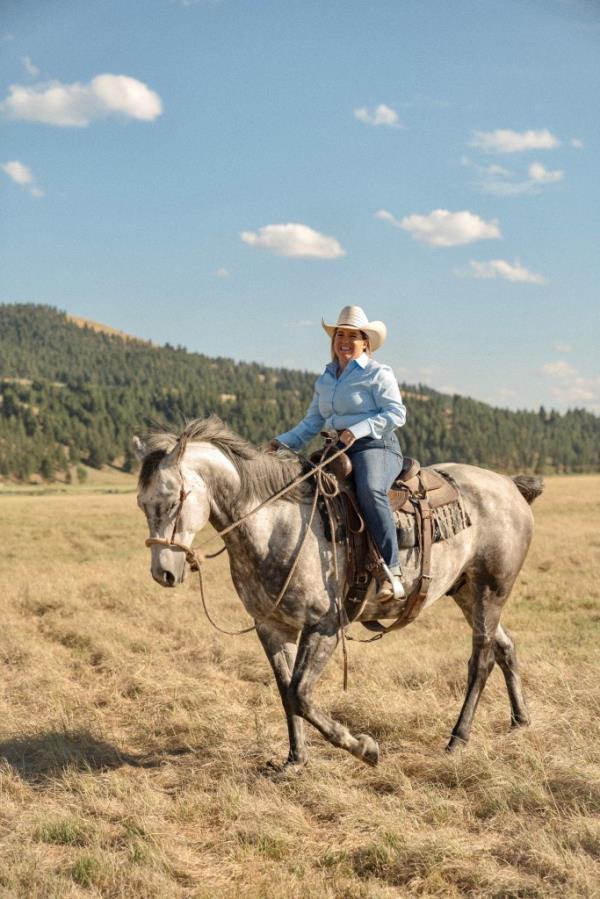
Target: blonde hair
365, 337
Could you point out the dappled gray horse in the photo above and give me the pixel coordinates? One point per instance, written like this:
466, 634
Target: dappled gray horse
221, 477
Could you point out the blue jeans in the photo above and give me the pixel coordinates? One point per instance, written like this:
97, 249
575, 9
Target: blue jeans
376, 465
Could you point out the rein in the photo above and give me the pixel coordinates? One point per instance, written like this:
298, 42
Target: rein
195, 557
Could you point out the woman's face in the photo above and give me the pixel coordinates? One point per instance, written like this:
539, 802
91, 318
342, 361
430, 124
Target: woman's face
348, 344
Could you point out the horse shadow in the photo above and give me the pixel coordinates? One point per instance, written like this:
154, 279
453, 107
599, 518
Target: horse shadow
40, 756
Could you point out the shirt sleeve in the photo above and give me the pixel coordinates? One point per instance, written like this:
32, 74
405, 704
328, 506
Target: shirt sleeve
305, 430
391, 411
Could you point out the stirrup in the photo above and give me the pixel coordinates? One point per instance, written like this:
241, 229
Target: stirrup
391, 588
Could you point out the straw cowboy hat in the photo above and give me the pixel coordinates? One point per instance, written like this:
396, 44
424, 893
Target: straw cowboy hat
354, 317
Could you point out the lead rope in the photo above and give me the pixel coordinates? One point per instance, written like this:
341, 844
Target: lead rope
281, 593
338, 599
195, 557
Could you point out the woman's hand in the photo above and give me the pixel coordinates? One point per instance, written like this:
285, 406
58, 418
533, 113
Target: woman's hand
273, 445
347, 437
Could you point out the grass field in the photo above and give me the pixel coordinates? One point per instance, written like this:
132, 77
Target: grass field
134, 740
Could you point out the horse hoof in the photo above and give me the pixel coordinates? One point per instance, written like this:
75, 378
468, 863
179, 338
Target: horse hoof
455, 744
284, 770
520, 725
368, 750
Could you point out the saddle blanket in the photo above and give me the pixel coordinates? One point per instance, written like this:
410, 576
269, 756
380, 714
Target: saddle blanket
448, 520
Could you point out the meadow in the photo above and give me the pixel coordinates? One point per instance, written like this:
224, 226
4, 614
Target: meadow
135, 741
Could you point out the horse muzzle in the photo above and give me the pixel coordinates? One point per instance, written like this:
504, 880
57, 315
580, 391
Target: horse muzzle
168, 566
166, 578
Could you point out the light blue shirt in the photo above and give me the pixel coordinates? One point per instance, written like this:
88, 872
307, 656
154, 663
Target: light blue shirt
365, 399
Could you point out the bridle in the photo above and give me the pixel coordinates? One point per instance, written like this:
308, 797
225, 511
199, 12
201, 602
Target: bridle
326, 486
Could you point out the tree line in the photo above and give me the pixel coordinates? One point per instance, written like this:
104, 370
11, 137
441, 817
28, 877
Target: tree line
71, 396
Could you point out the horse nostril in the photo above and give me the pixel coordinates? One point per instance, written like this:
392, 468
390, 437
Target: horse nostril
168, 579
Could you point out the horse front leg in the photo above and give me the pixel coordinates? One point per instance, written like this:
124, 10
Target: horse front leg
280, 648
316, 647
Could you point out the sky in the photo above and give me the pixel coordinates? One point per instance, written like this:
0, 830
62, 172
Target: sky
221, 174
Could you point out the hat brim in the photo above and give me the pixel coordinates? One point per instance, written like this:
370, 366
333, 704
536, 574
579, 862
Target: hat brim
376, 331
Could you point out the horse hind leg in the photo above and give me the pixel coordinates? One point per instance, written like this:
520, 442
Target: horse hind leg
506, 656
484, 614
314, 651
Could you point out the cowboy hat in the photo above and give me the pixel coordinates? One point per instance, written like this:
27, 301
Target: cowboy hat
354, 317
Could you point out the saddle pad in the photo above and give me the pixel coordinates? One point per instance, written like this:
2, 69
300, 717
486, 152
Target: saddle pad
448, 520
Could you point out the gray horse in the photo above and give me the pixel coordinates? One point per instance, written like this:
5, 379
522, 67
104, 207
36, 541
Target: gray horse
208, 473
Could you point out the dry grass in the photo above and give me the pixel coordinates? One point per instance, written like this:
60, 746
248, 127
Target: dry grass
134, 739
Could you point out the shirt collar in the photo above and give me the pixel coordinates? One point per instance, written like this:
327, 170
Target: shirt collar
362, 361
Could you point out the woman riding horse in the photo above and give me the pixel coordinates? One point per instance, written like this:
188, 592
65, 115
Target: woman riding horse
360, 399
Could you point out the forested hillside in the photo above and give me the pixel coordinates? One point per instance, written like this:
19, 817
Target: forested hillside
70, 395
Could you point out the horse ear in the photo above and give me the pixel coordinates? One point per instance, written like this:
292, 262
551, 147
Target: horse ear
139, 448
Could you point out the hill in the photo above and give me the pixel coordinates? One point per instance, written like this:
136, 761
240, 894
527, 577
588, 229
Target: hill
71, 393
102, 329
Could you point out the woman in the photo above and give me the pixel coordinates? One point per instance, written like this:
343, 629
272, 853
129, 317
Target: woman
360, 399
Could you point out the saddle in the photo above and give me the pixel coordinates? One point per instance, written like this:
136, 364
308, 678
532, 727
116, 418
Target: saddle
417, 492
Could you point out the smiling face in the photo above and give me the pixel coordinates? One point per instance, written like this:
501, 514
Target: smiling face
348, 344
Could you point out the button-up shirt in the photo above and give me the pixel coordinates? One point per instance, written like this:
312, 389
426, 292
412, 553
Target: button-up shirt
365, 399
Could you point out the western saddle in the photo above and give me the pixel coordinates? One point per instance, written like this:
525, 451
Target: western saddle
417, 492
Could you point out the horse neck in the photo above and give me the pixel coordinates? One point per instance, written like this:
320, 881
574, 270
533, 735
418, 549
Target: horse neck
281, 518
221, 479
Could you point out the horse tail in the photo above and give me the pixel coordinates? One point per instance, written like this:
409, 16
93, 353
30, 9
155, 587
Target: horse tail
529, 486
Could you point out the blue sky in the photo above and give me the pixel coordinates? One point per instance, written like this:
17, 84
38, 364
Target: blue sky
222, 173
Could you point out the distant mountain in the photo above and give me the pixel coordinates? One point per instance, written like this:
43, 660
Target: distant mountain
75, 391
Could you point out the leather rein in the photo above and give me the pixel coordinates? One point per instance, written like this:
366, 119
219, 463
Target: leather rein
196, 557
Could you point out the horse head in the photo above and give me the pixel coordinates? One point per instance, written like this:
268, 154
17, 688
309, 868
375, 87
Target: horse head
175, 500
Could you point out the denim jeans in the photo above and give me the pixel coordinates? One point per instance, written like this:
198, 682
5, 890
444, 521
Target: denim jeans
376, 465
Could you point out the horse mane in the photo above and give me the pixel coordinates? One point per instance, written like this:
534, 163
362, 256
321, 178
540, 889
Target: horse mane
261, 474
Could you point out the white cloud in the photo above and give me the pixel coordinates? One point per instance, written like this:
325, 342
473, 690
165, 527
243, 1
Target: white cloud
570, 387
294, 239
442, 228
579, 390
563, 348
502, 182
76, 105
577, 143
500, 268
19, 173
540, 174
223, 273
22, 174
501, 188
29, 67
380, 115
559, 369
503, 140
495, 170
386, 216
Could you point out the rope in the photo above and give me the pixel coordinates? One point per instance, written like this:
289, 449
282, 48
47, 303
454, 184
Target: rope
195, 557
281, 593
